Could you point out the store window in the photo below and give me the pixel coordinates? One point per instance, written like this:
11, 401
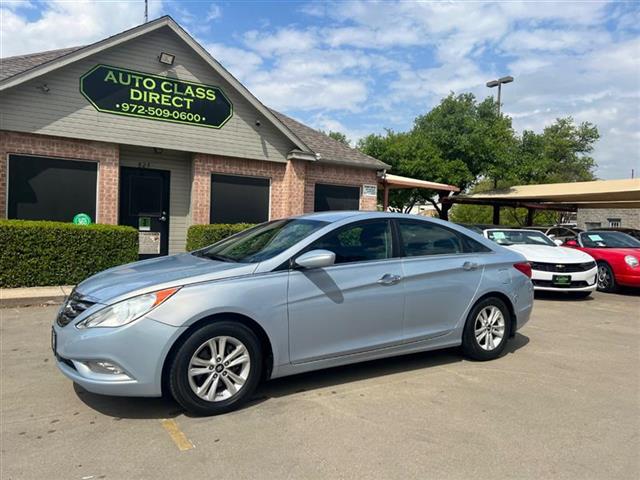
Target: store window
336, 197
42, 188
614, 222
236, 199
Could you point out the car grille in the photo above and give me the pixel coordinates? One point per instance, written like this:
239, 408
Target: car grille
563, 267
549, 283
73, 307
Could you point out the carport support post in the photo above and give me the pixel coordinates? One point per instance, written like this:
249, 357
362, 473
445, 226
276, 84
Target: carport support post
385, 200
496, 214
530, 213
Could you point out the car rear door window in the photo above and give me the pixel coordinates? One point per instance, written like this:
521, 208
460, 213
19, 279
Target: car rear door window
425, 238
358, 243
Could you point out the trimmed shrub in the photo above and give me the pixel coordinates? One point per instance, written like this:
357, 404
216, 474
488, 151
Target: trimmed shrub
40, 253
200, 236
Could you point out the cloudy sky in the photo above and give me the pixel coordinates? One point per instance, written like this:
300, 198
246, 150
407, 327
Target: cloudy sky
360, 67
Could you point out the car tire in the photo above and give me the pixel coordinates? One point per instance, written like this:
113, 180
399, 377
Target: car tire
606, 280
201, 393
479, 337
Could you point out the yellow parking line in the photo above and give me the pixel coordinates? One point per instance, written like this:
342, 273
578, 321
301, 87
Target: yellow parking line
177, 435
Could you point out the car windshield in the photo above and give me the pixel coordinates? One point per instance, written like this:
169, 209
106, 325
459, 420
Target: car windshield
597, 239
519, 237
262, 242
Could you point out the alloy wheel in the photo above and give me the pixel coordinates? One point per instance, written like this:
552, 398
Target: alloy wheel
489, 328
219, 368
604, 277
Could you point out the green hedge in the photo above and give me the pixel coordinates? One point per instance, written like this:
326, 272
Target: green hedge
39, 253
199, 236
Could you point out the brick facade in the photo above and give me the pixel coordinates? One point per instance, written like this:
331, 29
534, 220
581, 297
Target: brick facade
338, 175
106, 154
292, 184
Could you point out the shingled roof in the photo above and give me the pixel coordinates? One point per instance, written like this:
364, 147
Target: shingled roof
327, 149
11, 66
330, 150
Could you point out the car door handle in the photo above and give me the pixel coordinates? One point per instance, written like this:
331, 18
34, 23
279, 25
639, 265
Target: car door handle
470, 266
389, 279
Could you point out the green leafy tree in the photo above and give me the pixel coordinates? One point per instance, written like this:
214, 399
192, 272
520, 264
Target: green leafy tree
339, 136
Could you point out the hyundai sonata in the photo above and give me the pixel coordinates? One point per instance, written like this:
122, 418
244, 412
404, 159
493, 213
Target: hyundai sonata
289, 296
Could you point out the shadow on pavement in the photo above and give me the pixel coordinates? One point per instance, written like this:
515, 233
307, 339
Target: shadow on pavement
132, 408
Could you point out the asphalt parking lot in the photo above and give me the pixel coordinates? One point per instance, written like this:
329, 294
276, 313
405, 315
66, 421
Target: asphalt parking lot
564, 402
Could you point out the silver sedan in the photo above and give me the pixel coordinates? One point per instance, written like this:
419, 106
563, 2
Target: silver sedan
290, 296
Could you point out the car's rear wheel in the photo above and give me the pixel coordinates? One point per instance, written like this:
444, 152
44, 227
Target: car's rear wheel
606, 280
487, 329
216, 368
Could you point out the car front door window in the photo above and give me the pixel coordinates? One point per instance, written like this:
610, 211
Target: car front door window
359, 243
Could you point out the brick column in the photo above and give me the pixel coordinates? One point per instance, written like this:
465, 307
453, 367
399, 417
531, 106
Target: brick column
106, 154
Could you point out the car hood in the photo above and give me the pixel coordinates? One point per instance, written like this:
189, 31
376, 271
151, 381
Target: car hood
549, 254
155, 274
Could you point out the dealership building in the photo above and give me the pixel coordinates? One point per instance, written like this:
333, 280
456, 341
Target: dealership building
146, 129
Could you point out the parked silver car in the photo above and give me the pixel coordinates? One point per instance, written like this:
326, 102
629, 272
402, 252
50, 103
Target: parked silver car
289, 296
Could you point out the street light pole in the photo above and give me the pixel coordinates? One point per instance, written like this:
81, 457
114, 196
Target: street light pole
498, 83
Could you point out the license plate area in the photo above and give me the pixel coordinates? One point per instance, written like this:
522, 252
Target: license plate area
561, 280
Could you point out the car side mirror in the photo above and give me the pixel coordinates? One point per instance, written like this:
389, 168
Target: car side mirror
571, 243
557, 242
316, 259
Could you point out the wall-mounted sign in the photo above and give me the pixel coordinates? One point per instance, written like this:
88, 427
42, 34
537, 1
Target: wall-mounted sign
148, 243
82, 219
369, 191
137, 94
144, 224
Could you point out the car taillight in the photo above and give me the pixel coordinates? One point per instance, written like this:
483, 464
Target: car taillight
524, 267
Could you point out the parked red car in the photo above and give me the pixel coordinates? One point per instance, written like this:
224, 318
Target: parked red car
617, 255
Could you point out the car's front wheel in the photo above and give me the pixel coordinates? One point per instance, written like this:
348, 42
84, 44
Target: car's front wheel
606, 280
487, 329
216, 368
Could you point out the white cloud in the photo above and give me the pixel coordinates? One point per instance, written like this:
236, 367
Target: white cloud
67, 24
241, 63
281, 42
214, 12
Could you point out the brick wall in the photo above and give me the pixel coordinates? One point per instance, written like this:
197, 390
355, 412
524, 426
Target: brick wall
106, 154
338, 175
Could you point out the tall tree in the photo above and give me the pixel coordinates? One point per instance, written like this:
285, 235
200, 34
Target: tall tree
339, 136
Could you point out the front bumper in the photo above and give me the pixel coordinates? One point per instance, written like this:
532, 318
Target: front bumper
139, 349
580, 281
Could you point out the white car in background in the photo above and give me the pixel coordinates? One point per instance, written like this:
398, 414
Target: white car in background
554, 268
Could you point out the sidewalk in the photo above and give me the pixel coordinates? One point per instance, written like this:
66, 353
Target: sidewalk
24, 297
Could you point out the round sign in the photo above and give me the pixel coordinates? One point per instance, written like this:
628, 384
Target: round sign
82, 219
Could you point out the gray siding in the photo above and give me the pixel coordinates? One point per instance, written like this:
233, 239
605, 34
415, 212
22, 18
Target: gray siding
629, 217
179, 164
63, 111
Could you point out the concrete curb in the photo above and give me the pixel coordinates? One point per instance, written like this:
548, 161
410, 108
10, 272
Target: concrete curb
26, 297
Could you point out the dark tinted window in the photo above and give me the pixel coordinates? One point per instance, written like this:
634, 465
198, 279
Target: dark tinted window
261, 242
236, 199
336, 197
358, 243
145, 195
51, 188
424, 238
604, 239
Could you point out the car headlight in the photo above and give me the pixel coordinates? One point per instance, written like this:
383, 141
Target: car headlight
128, 310
631, 261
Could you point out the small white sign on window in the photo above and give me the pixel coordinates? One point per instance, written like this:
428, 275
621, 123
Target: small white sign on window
369, 190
